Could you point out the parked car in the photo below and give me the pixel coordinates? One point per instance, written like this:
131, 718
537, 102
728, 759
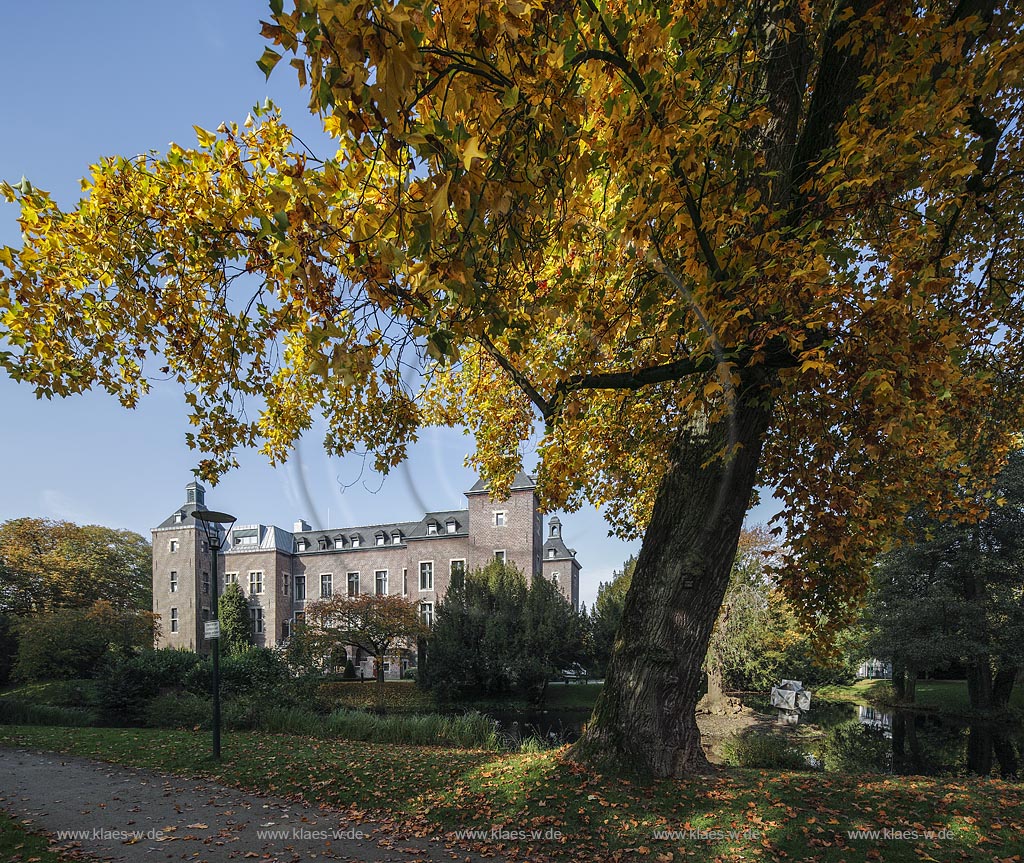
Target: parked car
574, 672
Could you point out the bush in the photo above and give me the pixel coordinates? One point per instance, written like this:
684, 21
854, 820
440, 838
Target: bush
409, 673
350, 670
178, 710
763, 750
256, 670
127, 684
75, 642
16, 711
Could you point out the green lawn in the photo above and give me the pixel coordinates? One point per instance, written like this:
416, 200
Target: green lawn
799, 815
18, 845
948, 696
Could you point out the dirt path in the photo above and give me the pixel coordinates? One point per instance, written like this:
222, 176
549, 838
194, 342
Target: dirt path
123, 814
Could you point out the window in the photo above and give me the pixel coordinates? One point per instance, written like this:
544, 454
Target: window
174, 620
206, 582
206, 546
174, 545
499, 518
230, 578
174, 581
450, 525
458, 573
322, 543
427, 612
431, 528
256, 617
551, 553
381, 539
380, 580
284, 584
255, 583
302, 544
500, 556
326, 585
300, 587
178, 518
555, 577
427, 575
353, 584
286, 629
387, 667
405, 582
246, 539
339, 543
357, 541
205, 615
396, 538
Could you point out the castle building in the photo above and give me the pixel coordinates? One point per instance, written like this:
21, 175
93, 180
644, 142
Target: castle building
279, 571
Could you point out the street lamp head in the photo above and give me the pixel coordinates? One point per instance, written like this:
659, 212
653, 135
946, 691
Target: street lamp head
211, 521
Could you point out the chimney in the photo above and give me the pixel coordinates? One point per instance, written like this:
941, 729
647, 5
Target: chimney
301, 527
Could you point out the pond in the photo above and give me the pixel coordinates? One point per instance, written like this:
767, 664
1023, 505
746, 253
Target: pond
859, 738
553, 727
853, 738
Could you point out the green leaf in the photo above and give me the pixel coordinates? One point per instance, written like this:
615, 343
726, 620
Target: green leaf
268, 61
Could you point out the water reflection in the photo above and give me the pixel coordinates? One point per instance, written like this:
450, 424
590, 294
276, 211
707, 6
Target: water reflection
909, 742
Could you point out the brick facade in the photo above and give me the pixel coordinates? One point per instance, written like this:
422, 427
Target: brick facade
272, 565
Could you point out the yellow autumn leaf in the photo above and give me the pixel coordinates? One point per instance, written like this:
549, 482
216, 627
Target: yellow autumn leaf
472, 151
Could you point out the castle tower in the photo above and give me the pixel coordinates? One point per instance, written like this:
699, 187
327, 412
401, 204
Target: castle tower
511, 529
182, 569
560, 564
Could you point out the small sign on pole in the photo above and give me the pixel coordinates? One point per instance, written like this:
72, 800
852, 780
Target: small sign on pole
211, 629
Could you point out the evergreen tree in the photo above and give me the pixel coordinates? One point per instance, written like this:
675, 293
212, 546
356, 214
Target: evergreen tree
235, 625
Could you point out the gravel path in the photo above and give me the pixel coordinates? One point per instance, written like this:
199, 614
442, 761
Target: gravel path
124, 814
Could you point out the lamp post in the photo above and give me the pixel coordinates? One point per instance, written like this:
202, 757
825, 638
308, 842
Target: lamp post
211, 522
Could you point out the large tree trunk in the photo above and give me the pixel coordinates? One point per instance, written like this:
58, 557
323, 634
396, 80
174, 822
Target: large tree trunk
979, 682
644, 718
1002, 686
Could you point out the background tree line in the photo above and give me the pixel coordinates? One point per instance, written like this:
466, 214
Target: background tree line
69, 596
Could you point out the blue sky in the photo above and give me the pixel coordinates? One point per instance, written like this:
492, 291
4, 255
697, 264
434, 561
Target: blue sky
84, 80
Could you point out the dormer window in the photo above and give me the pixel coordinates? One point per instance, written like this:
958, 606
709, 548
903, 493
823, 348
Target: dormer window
381, 538
357, 540
431, 528
396, 538
322, 543
551, 553
302, 544
339, 543
450, 526
178, 517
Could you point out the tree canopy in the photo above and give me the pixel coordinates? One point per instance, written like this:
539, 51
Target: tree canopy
46, 565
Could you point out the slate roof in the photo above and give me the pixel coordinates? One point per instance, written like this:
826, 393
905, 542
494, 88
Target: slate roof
410, 530
562, 551
522, 482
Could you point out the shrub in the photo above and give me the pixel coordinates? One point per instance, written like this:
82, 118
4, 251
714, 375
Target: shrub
258, 670
178, 710
763, 750
127, 684
16, 711
350, 670
74, 642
